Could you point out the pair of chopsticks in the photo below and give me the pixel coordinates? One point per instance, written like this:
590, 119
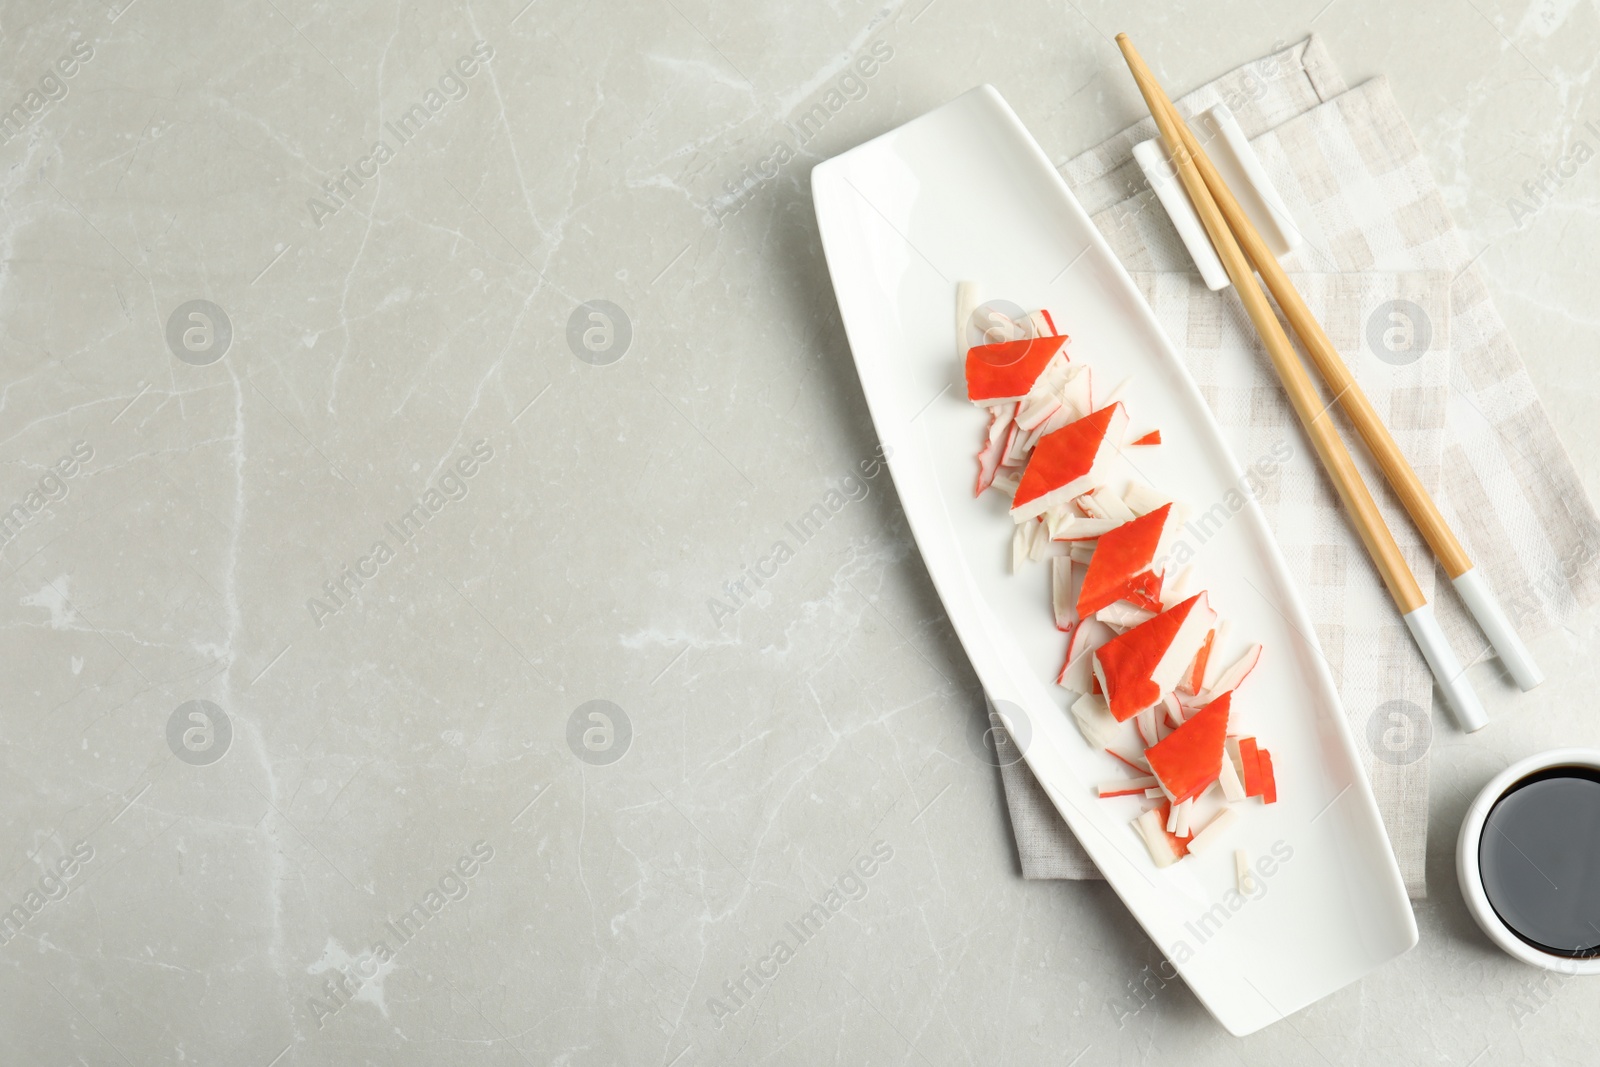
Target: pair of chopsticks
1229, 229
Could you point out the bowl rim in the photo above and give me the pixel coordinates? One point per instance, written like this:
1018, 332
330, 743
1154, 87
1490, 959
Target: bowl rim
1470, 876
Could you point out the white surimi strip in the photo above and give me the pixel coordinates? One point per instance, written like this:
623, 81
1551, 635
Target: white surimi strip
1244, 878
1213, 831
1124, 785
966, 304
1214, 663
1232, 788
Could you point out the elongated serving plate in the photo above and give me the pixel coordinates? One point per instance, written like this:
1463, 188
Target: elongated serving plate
965, 193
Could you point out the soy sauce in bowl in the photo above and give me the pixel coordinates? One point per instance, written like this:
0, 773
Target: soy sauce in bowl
1539, 856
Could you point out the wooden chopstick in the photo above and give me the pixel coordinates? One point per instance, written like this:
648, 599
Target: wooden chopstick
1397, 470
1314, 416
1331, 366
1303, 396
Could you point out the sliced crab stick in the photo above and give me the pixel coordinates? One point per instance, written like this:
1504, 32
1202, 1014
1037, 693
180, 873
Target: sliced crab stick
1061, 593
1006, 371
1122, 556
1249, 766
1213, 832
1094, 721
1165, 850
1190, 758
1069, 462
1136, 669
1229, 679
1125, 787
1269, 781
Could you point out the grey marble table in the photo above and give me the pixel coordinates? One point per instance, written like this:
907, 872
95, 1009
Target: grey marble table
336, 499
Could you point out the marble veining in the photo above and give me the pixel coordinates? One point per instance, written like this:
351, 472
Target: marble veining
581, 766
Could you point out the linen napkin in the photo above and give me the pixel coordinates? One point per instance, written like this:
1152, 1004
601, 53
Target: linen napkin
1396, 290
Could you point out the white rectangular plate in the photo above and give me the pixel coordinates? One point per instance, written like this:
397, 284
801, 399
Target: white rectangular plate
965, 193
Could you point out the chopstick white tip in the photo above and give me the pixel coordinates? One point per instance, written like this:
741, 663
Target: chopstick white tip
1447, 670
1480, 600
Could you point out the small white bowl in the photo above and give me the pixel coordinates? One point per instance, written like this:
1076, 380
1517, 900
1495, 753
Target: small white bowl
1471, 879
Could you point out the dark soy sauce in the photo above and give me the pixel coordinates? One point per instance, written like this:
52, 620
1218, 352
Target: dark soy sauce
1540, 860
